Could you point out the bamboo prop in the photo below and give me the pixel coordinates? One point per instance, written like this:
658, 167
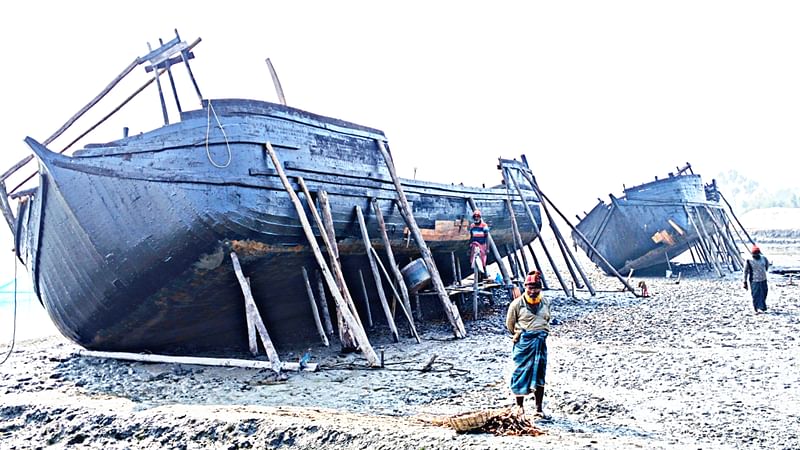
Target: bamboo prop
253, 317
723, 216
565, 248
738, 235
702, 256
326, 231
456, 280
738, 264
450, 310
752, 242
366, 298
495, 253
694, 261
398, 276
515, 231
418, 306
358, 331
532, 218
715, 255
460, 279
276, 82
198, 360
348, 340
580, 234
323, 302
376, 275
314, 309
406, 312
512, 262
475, 286
704, 244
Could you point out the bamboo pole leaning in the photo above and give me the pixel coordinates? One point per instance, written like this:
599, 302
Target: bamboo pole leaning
405, 209
358, 331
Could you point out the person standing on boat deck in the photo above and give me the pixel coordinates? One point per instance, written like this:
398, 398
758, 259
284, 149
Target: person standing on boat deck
528, 318
478, 238
755, 271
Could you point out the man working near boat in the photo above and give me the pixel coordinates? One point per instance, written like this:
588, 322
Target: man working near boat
528, 318
478, 238
755, 271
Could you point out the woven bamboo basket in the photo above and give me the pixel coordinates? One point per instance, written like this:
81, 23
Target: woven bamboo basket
471, 420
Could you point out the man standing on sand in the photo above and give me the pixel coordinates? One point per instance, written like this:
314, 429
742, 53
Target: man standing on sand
528, 319
755, 271
478, 239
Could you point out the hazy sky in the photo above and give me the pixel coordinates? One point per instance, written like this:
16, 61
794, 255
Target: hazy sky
595, 93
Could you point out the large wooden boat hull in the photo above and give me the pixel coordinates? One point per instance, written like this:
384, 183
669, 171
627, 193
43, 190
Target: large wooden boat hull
653, 223
128, 243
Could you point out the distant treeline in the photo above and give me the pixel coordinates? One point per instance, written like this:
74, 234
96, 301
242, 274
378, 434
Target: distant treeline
745, 194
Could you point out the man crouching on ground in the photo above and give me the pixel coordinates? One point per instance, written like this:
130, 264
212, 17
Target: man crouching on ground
528, 319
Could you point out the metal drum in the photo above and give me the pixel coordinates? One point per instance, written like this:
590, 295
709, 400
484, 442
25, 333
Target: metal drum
416, 275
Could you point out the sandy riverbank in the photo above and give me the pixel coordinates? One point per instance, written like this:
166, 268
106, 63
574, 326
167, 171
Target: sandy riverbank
689, 367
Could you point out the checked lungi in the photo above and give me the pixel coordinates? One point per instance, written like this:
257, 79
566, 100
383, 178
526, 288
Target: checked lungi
530, 360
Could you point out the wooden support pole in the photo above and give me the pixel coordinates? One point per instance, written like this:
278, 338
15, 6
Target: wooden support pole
515, 231
515, 272
398, 276
352, 322
196, 360
694, 261
728, 226
730, 208
405, 209
580, 235
730, 246
495, 253
418, 306
348, 339
709, 240
456, 280
253, 315
475, 288
376, 275
326, 231
323, 303
314, 309
406, 312
538, 233
565, 248
366, 298
700, 236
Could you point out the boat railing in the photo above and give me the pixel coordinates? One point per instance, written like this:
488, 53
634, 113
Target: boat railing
159, 61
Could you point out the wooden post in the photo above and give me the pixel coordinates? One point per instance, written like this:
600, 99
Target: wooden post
418, 306
326, 231
714, 255
512, 263
738, 264
276, 82
366, 298
314, 309
752, 242
406, 312
475, 288
456, 280
450, 310
495, 253
254, 317
538, 234
323, 303
565, 248
516, 233
703, 244
398, 276
358, 331
694, 261
376, 275
727, 225
460, 278
196, 360
580, 234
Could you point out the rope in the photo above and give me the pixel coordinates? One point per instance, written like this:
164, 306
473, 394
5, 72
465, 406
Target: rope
208, 131
14, 328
